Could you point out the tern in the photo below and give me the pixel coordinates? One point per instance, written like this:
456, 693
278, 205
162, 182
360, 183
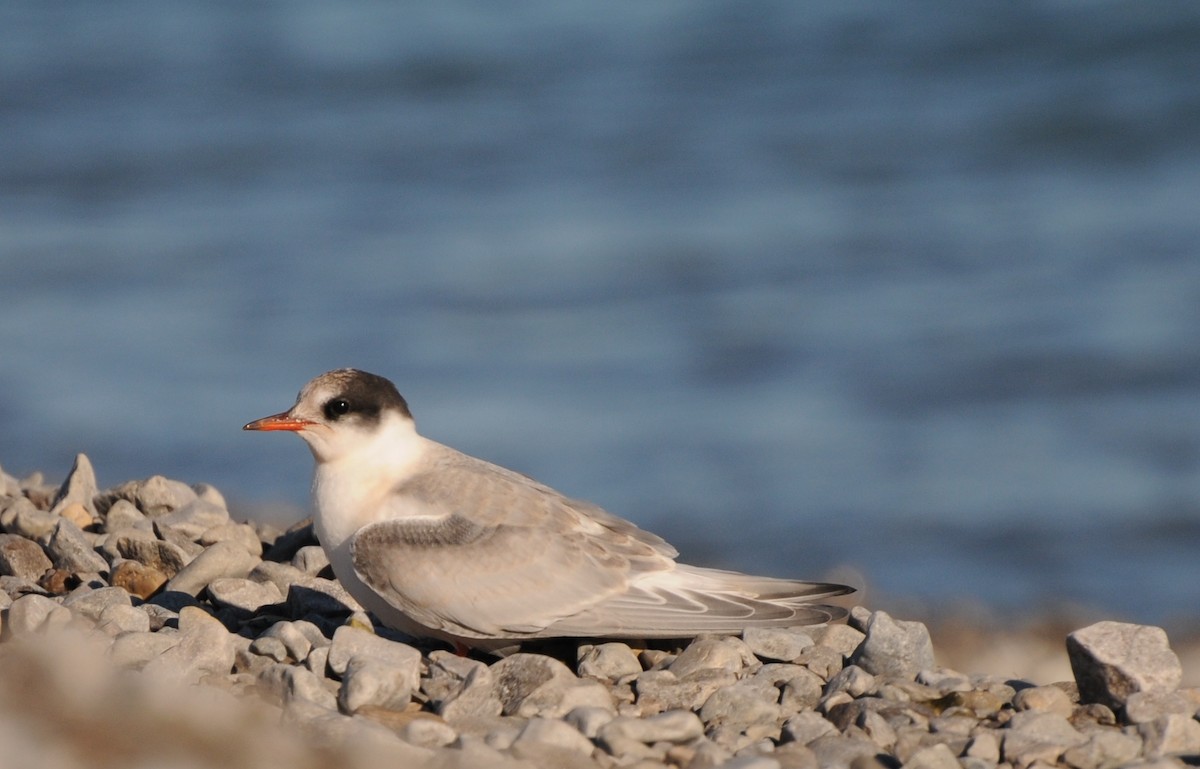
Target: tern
440, 544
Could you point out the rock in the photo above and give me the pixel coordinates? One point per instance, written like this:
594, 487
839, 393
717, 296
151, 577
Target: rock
1112, 660
243, 594
20, 517
553, 733
1147, 706
147, 550
288, 683
78, 488
78, 515
374, 681
195, 518
431, 732
835, 750
33, 613
241, 533
842, 639
124, 515
1104, 750
520, 676
608, 662
807, 726
154, 496
205, 648
1036, 736
894, 648
1173, 734
310, 559
350, 642
297, 638
137, 578
821, 660
801, 692
933, 757
784, 644
134, 650
742, 704
853, 680
222, 559
673, 726
659, 690
21, 557
474, 699
91, 603
71, 552
273, 648
314, 595
1045, 699
589, 720
726, 654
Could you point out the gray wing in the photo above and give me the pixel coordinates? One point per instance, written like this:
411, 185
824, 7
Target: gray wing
480, 551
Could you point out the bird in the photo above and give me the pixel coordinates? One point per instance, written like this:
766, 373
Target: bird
439, 544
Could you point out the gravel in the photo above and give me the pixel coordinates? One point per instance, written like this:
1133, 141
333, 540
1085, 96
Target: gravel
148, 610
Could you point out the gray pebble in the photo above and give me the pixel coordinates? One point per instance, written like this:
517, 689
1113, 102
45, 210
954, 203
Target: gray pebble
1112, 660
659, 690
124, 515
945, 680
295, 636
557, 697
1173, 734
288, 683
318, 660
622, 735
117, 618
428, 733
589, 720
741, 705
91, 603
894, 648
801, 692
821, 660
176, 538
727, 654
222, 559
35, 614
145, 548
316, 595
71, 551
22, 518
155, 495
937, 756
210, 493
205, 648
1033, 736
373, 681
134, 650
1045, 699
752, 761
195, 518
310, 559
1104, 750
984, 745
273, 648
350, 642
608, 662
843, 639
159, 616
1147, 706
474, 699
835, 750
241, 533
782, 644
21, 557
553, 733
283, 575
517, 677
78, 488
807, 726
242, 594
853, 680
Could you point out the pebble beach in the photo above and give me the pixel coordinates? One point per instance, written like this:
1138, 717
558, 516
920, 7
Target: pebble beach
146, 625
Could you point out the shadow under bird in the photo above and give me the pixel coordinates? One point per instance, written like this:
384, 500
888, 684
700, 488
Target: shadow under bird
440, 544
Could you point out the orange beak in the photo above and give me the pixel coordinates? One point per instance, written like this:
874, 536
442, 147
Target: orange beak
279, 422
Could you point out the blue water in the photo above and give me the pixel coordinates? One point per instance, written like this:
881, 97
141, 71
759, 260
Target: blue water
906, 289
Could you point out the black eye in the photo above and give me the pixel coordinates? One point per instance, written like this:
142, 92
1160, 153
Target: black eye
336, 408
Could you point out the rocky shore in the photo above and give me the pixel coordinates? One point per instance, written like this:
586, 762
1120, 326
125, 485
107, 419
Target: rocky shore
142, 625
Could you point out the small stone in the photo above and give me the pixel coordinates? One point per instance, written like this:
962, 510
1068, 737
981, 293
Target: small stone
843, 639
801, 692
372, 681
78, 515
894, 648
984, 745
205, 648
835, 750
782, 644
288, 683
242, 594
821, 660
608, 662
71, 552
78, 488
296, 637
134, 650
91, 603
673, 726
123, 618
553, 733
475, 698
1174, 734
20, 517
588, 720
429, 732
1034, 736
147, 550
727, 654
265, 646
1112, 660
741, 705
659, 690
1104, 750
1147, 706
223, 559
807, 726
241, 533
945, 680
520, 676
310, 559
21, 557
315, 595
933, 757
35, 614
853, 680
1045, 699
155, 495
137, 578
350, 642
283, 575
195, 518
124, 515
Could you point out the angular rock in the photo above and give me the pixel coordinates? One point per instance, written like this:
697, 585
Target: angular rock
1104, 750
124, 515
205, 648
92, 603
22, 518
350, 642
726, 654
741, 705
1113, 660
71, 552
222, 559
135, 650
853, 680
144, 548
241, 533
1147, 706
21, 557
783, 644
1037, 736
296, 638
372, 681
310, 559
78, 488
933, 757
589, 720
519, 676
894, 648
288, 683
821, 660
154, 496
266, 646
194, 518
553, 733
123, 618
807, 726
242, 594
35, 614
608, 662
843, 639
661, 690
1174, 734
